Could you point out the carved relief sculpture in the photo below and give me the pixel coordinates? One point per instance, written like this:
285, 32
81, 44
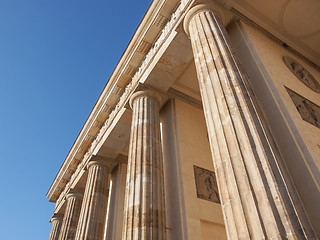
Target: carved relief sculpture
302, 74
206, 184
309, 111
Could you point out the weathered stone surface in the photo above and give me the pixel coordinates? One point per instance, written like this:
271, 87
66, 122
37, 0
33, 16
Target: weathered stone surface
251, 203
144, 216
206, 184
254, 199
56, 226
116, 202
92, 218
71, 216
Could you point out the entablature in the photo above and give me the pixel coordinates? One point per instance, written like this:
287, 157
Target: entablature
148, 47
107, 105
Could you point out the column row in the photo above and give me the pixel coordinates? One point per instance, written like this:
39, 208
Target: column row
85, 219
254, 198
144, 210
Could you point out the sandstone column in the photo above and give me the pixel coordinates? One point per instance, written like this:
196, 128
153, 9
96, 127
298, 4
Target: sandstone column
92, 218
56, 225
144, 216
71, 216
116, 202
254, 199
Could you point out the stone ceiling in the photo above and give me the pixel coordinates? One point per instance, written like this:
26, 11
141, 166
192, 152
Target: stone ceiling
295, 22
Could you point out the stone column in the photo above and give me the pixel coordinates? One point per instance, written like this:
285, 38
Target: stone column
71, 216
116, 202
56, 225
144, 215
92, 218
254, 199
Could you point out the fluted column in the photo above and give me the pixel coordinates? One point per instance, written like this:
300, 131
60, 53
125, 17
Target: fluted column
92, 218
56, 226
254, 199
116, 203
144, 216
71, 216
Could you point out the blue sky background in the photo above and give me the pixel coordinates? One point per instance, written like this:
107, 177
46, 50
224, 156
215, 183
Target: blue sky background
55, 58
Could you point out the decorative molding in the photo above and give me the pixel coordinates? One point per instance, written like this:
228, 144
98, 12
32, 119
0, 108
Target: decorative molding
160, 21
117, 90
144, 47
81, 150
169, 27
143, 93
211, 6
101, 161
106, 108
97, 124
129, 89
89, 138
130, 71
107, 97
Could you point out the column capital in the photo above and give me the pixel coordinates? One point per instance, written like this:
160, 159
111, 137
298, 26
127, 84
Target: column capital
74, 194
56, 221
103, 162
94, 206
55, 217
71, 215
224, 15
146, 92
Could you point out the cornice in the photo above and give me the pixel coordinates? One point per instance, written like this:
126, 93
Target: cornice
113, 98
111, 93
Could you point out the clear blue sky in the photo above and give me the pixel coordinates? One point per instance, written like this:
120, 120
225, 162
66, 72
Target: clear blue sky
55, 58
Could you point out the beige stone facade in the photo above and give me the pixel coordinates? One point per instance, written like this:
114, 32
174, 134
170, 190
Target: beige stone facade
208, 128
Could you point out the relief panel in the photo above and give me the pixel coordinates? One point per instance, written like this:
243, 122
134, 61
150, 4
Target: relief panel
206, 184
302, 74
309, 111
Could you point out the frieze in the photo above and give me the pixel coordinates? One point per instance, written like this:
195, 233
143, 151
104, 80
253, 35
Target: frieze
129, 89
145, 63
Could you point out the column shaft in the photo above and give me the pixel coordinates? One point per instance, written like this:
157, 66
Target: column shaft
116, 205
70, 218
92, 218
254, 199
144, 204
55, 229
